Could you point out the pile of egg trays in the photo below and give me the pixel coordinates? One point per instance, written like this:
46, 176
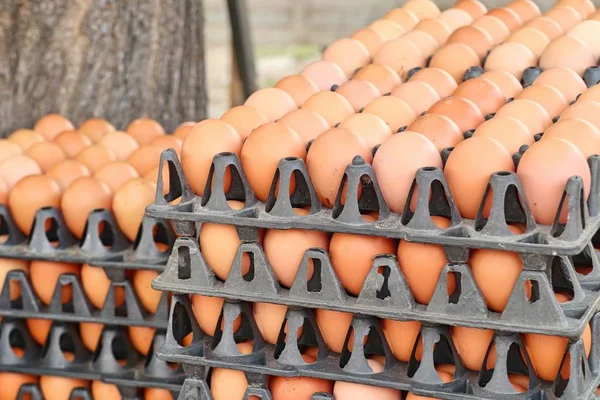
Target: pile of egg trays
548, 253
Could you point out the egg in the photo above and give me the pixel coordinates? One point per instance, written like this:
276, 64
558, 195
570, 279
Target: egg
116, 173
85, 195
348, 53
547, 26
3, 192
455, 18
405, 18
370, 127
586, 110
207, 139
165, 142
207, 311
395, 112
299, 387
96, 285
382, 76
588, 32
306, 123
590, 94
105, 391
324, 74
395, 173
39, 329
299, 87
46, 154
422, 8
580, 132
436, 28
567, 17
564, 79
455, 58
469, 168
475, 8
15, 168
485, 94
49, 126
553, 101
8, 149
472, 345
29, 195
423, 40
269, 319
439, 129
475, 38
401, 55
72, 142
11, 383
44, 277
95, 128
25, 138
183, 129
60, 388
334, 326
507, 83
389, 30
359, 93
349, 391
585, 7
533, 115
94, 157
142, 281
144, 130
129, 205
441, 81
567, 52
494, 27
544, 170
532, 38
141, 338
7, 265
509, 17
330, 105
525, 9
90, 335
157, 394
402, 338
418, 95
462, 111
510, 57
144, 158
370, 39
229, 384
509, 132
67, 171
119, 142
328, 157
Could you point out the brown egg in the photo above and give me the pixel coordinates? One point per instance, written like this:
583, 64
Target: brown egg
229, 384
116, 173
405, 18
422, 8
510, 57
324, 74
272, 102
263, 150
462, 111
306, 123
440, 80
564, 79
328, 157
568, 52
422, 265
455, 18
455, 58
423, 40
15, 168
533, 115
269, 319
11, 382
525, 9
472, 345
182, 130
565, 16
142, 281
469, 168
25, 138
389, 30
152, 176
349, 54
207, 311
383, 77
473, 7
299, 387
580, 132
145, 158
506, 82
129, 205
509, 132
370, 127
475, 38
105, 391
334, 326
3, 192
436, 28
44, 277
143, 130
544, 170
30, 194
439, 129
119, 142
395, 112
207, 139
90, 335
330, 105
588, 32
484, 93
401, 55
418, 95
39, 329
348, 391
547, 26
547, 96
49, 126
46, 154
401, 337
396, 162
95, 128
8, 149
370, 39
59, 388
507, 16
590, 94
66, 171
94, 157
532, 38
96, 285
141, 338
157, 394
494, 27
586, 110
85, 195
359, 93
297, 86
7, 265
165, 142
72, 142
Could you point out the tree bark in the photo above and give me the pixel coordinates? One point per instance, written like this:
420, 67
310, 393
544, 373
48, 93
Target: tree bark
115, 59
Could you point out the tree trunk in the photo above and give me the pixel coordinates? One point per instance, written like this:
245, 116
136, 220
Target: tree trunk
115, 59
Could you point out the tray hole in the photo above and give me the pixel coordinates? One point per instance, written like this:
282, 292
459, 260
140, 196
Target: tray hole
300, 332
119, 299
561, 281
184, 263
182, 325
16, 339
248, 276
383, 292
161, 237
106, 235
67, 346
4, 230
172, 187
514, 212
66, 292
51, 227
438, 201
313, 275
454, 286
119, 350
532, 291
15, 293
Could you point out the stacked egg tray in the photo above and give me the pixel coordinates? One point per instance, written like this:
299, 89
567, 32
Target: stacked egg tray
103, 245
550, 254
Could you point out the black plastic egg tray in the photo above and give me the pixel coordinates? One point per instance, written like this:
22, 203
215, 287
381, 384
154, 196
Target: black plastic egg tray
115, 360
365, 339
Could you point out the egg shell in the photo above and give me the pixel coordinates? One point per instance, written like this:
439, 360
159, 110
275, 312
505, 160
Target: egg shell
29, 195
25, 138
544, 170
119, 142
418, 95
72, 142
510, 57
272, 102
509, 132
207, 311
9, 149
144, 158
370, 127
300, 387
334, 326
395, 112
95, 128
484, 93
49, 126
44, 277
7, 265
60, 388
299, 87
269, 319
46, 154
382, 76
586, 110
494, 27
405, 18
553, 101
440, 80
469, 168
402, 338
17, 167
141, 338
207, 139
506, 82
370, 39
11, 383
324, 74
330, 105
460, 110
565, 16
584, 7
3, 192
475, 8
142, 281
116, 173
455, 58
436, 28
533, 115
525, 9
157, 394
588, 32
229, 384
547, 26
475, 38
401, 55
567, 52
143, 130
85, 195
306, 123
439, 129
348, 391
105, 391
165, 142
67, 171
183, 129
94, 157
90, 335
580, 132
129, 205
472, 345
564, 79
532, 38
455, 18
39, 329
510, 18
349, 54
423, 40
358, 92
422, 8
96, 286
389, 30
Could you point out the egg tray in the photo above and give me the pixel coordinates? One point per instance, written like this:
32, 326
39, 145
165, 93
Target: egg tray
30, 391
103, 244
366, 339
115, 360
429, 189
